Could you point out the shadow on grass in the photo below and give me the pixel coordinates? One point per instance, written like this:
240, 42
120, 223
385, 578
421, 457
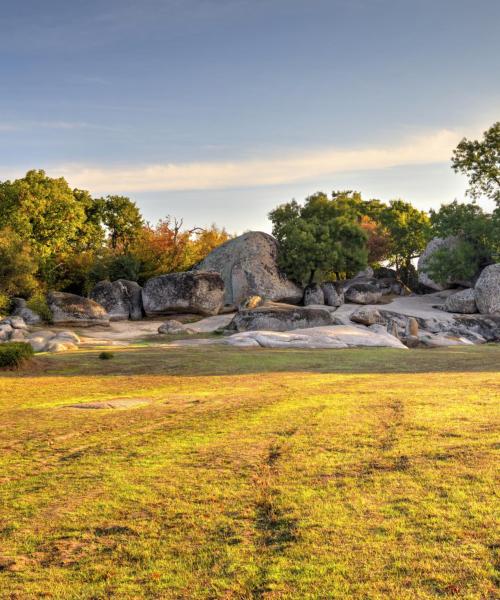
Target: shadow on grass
222, 360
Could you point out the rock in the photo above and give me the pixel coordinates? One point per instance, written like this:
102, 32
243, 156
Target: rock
333, 293
367, 316
5, 331
280, 317
434, 245
333, 336
487, 290
385, 273
484, 326
21, 309
412, 327
436, 340
75, 310
200, 292
248, 266
57, 345
363, 293
122, 299
15, 322
210, 324
69, 336
313, 294
364, 274
172, 327
462, 302
17, 335
250, 302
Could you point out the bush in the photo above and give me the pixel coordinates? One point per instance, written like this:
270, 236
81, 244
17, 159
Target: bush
4, 304
14, 354
106, 355
38, 304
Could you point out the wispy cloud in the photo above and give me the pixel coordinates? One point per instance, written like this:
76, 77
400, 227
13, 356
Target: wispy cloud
30, 125
273, 170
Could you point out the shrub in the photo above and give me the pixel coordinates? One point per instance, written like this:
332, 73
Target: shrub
4, 304
38, 304
106, 355
14, 354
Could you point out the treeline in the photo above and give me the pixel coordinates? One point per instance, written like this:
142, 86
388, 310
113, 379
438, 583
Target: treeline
55, 237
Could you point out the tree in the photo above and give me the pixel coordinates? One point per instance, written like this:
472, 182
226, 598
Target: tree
478, 242
409, 230
122, 219
378, 241
17, 265
318, 238
480, 162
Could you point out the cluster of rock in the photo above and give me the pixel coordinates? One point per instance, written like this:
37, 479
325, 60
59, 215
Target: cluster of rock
483, 298
15, 329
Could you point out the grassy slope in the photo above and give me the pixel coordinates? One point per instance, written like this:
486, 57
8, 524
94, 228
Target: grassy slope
252, 474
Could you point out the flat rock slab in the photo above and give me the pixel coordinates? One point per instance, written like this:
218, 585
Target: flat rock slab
118, 403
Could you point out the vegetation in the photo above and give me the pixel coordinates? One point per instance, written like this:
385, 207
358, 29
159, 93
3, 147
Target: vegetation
14, 354
252, 474
105, 355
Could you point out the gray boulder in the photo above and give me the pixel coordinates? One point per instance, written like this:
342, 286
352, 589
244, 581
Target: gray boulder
172, 327
248, 266
333, 293
486, 327
313, 294
6, 330
363, 293
20, 309
367, 315
462, 302
200, 292
487, 290
122, 299
281, 317
423, 262
71, 309
15, 322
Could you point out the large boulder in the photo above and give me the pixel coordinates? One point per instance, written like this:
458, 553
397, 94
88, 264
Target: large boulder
20, 309
423, 262
487, 290
121, 298
363, 293
281, 317
313, 294
461, 302
248, 267
70, 309
200, 292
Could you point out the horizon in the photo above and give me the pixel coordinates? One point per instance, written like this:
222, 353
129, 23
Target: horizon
178, 106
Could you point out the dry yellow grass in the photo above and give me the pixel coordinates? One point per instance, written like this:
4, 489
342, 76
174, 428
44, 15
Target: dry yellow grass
252, 474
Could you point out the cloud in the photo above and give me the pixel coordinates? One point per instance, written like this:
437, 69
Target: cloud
30, 125
272, 170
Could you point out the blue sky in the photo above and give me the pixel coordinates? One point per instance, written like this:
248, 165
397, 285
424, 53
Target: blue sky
217, 110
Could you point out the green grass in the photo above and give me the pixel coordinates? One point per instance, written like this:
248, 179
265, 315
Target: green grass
367, 474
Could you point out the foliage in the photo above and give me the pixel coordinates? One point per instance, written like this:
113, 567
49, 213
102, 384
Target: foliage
122, 219
14, 354
408, 230
17, 265
479, 241
320, 237
378, 241
106, 355
38, 304
5, 303
480, 162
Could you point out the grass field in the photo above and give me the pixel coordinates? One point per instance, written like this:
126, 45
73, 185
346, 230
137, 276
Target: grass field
366, 474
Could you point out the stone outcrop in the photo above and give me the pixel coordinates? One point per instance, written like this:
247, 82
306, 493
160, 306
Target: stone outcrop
21, 309
334, 336
313, 294
462, 302
367, 315
333, 293
122, 299
200, 292
281, 317
487, 290
248, 266
363, 293
70, 309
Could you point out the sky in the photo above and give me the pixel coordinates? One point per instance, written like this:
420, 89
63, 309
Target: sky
219, 110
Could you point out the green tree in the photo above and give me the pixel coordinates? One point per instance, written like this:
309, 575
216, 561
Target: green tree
123, 220
480, 162
320, 237
409, 230
17, 265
